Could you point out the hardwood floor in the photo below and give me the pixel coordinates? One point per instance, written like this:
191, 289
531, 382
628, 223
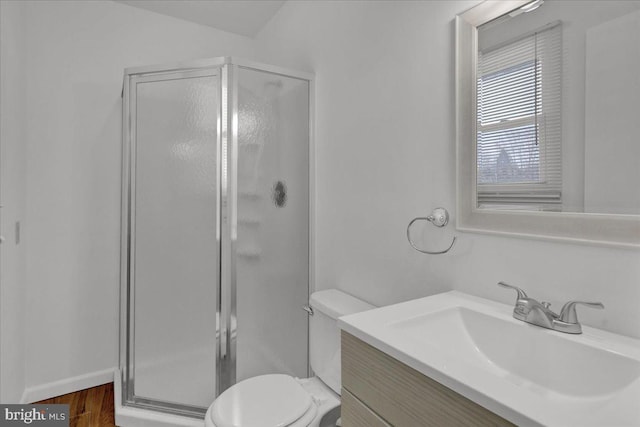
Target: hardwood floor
92, 407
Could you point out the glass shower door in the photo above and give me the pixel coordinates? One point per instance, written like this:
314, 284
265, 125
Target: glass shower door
272, 246
174, 240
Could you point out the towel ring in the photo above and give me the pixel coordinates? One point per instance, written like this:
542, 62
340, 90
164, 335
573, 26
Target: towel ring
438, 217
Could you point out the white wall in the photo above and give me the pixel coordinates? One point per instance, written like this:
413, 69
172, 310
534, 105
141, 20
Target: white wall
12, 199
385, 142
76, 52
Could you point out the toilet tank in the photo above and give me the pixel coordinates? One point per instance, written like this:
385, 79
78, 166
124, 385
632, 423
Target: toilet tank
324, 334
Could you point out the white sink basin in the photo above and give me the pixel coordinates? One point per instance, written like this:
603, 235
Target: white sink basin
522, 354
527, 374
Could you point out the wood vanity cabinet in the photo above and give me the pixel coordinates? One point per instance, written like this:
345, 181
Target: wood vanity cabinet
380, 391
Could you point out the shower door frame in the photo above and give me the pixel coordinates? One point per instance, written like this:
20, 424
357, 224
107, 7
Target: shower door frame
133, 76
226, 68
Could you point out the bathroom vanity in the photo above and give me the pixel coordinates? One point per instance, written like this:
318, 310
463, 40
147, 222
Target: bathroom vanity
378, 390
454, 359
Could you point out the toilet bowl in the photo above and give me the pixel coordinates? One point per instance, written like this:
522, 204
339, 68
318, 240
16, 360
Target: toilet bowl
279, 400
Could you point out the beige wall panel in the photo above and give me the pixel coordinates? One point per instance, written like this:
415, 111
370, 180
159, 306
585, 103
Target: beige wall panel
403, 396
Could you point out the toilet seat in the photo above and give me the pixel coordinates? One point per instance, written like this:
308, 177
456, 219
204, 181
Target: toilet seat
273, 401
266, 400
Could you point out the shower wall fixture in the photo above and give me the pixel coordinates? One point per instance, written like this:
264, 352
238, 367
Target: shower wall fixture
215, 230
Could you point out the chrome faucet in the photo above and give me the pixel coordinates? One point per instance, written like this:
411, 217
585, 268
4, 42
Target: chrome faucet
538, 313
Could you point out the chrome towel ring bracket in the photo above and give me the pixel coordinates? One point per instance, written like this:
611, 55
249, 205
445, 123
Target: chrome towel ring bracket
438, 217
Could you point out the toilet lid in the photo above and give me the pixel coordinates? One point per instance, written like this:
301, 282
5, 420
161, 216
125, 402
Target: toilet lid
262, 401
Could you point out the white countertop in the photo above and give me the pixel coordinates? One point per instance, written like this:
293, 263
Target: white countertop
529, 375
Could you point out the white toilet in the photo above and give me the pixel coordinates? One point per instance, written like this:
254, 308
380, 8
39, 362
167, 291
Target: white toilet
279, 400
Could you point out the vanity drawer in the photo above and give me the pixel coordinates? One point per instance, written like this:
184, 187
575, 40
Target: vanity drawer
357, 414
403, 396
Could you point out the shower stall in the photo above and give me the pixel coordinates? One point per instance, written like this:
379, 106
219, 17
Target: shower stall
215, 230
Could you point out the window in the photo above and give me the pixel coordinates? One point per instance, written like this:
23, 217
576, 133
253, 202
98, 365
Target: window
519, 122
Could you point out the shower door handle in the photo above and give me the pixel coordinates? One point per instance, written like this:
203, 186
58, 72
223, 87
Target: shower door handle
224, 330
223, 342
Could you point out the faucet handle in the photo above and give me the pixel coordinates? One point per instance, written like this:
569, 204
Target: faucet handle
521, 294
568, 312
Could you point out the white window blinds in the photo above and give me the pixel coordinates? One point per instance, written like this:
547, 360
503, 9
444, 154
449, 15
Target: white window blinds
519, 121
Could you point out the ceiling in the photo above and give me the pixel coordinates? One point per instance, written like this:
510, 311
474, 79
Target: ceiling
244, 17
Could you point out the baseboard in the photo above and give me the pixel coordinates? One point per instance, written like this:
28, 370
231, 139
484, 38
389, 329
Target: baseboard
67, 385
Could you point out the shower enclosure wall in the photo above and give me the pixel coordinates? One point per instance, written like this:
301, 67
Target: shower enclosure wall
215, 230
